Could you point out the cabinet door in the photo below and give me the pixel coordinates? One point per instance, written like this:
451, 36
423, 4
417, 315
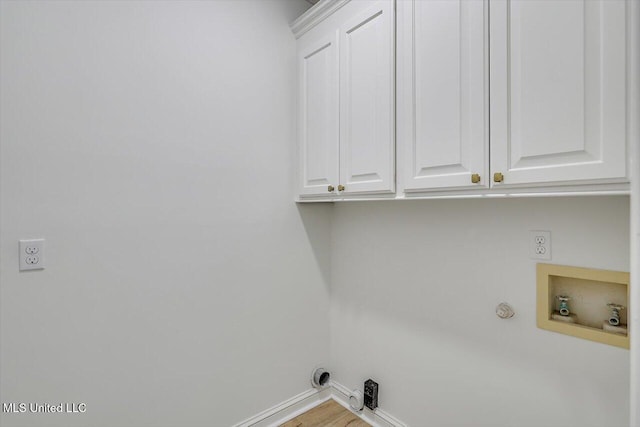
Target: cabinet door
318, 121
367, 100
558, 90
443, 128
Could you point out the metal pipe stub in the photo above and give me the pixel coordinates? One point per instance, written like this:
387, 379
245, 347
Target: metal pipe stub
564, 305
614, 319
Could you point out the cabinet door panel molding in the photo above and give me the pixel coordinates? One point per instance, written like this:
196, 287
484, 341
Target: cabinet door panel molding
318, 115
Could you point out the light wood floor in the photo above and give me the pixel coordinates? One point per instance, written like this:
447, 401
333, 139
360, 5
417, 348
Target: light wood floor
328, 414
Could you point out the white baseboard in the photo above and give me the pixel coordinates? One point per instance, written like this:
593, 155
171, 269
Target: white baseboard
288, 409
311, 398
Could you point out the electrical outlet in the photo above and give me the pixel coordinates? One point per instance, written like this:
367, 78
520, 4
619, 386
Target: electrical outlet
31, 254
540, 244
371, 394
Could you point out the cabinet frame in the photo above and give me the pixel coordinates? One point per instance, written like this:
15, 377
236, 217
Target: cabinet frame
325, 11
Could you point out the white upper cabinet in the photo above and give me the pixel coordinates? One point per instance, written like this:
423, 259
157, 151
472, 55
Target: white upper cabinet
318, 117
443, 139
367, 132
346, 115
492, 96
558, 91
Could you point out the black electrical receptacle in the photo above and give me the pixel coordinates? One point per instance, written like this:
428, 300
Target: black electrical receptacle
371, 394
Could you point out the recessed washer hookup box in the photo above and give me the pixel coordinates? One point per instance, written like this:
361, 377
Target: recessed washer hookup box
584, 302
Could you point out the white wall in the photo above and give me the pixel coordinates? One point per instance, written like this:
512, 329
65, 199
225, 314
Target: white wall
150, 144
414, 289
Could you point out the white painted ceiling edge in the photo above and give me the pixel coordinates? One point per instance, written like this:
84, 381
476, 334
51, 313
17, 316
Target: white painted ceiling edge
634, 146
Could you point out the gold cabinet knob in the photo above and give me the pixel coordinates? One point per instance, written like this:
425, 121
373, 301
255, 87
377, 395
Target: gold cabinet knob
475, 178
340, 187
330, 189
498, 177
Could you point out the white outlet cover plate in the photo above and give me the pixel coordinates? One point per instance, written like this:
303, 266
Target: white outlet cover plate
31, 254
540, 244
